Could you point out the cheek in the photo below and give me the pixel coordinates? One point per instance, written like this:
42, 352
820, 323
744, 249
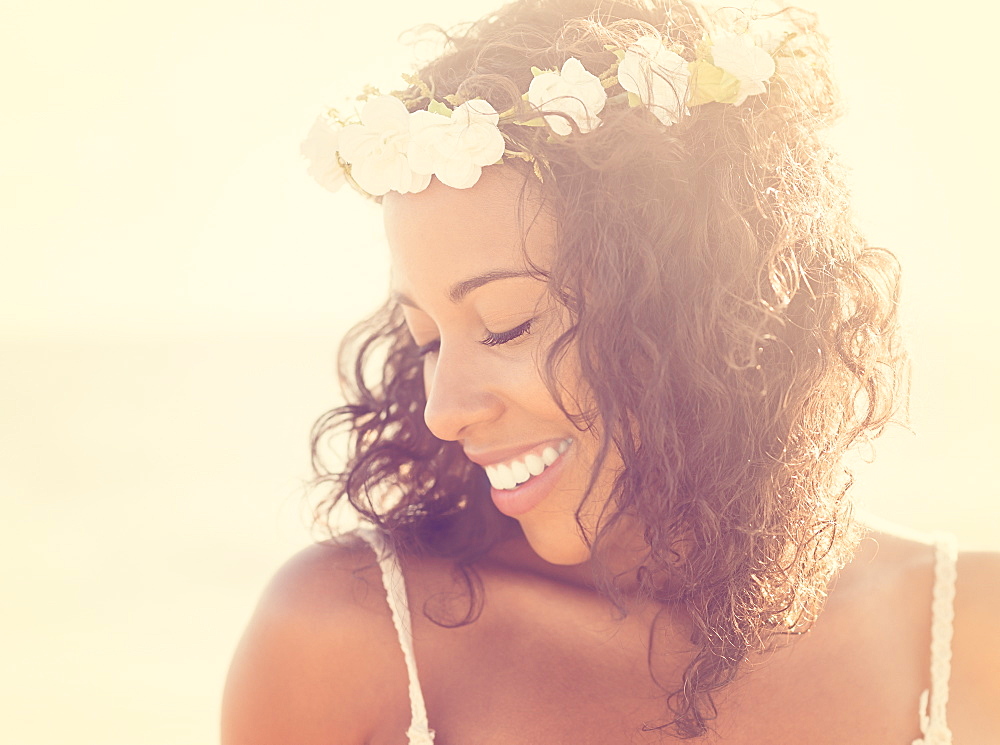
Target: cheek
574, 393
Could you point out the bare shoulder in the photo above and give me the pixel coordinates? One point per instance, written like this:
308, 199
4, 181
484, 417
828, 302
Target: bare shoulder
319, 661
887, 567
975, 683
900, 571
977, 593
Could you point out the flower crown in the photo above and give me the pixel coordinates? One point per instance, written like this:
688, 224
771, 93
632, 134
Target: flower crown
390, 148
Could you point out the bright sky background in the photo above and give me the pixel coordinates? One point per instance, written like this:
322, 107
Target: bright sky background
172, 289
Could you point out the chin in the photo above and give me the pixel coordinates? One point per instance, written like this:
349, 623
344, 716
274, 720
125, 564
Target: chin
563, 546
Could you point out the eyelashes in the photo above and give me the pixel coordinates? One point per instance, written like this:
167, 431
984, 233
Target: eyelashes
490, 339
503, 337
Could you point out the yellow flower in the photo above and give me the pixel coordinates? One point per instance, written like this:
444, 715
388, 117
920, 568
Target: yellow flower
712, 83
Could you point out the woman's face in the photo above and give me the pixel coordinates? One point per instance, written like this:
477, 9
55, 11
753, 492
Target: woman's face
484, 325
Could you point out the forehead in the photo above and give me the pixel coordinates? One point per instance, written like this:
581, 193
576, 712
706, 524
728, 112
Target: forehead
441, 234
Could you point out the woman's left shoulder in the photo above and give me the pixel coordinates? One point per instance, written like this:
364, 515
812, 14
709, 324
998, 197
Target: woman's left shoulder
894, 574
975, 678
977, 590
902, 568
977, 593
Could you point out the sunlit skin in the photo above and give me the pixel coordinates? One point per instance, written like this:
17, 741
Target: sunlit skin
491, 397
549, 659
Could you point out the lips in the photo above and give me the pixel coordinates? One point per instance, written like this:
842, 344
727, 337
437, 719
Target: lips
522, 478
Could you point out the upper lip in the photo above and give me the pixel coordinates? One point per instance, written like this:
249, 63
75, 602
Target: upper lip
502, 455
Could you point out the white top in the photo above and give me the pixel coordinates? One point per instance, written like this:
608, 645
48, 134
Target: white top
419, 732
933, 701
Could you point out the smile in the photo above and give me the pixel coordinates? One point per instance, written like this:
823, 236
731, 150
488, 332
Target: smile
513, 473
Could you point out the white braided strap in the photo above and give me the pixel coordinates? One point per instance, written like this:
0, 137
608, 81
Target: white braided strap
419, 732
934, 701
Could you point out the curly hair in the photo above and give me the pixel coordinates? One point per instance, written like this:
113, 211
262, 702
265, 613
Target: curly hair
735, 330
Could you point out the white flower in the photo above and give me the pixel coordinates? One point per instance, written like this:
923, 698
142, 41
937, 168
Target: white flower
320, 149
376, 149
572, 91
456, 148
657, 76
745, 61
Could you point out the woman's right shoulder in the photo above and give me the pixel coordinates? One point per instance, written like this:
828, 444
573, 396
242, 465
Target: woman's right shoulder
319, 661
332, 580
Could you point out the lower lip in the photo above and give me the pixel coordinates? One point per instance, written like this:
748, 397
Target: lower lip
527, 496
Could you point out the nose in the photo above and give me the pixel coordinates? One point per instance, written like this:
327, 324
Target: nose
459, 395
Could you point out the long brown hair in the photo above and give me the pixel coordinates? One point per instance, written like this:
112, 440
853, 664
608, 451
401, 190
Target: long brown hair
736, 332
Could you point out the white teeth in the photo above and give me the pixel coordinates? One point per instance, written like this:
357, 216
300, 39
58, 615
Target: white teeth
516, 472
534, 464
520, 472
505, 476
500, 477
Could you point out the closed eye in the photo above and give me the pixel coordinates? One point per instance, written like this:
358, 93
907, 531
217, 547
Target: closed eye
493, 340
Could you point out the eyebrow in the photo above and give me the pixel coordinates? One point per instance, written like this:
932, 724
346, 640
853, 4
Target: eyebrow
459, 290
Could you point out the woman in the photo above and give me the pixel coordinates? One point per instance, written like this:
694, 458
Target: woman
599, 426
